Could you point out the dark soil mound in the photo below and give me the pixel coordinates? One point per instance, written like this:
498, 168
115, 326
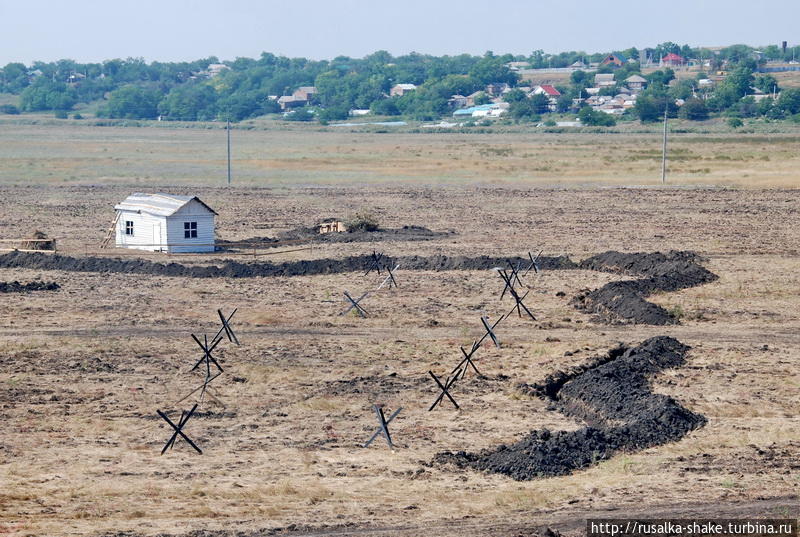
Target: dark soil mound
624, 301
617, 302
405, 233
612, 395
233, 269
16, 287
310, 234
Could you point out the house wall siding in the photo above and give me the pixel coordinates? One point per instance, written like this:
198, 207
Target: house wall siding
148, 230
205, 233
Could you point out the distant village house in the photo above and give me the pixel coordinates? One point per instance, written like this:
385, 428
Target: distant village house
614, 60
398, 90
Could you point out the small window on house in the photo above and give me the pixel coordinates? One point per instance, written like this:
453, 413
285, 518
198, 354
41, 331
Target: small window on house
190, 230
129, 227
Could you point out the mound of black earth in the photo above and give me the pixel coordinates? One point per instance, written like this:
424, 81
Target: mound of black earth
612, 395
16, 287
233, 269
405, 233
623, 302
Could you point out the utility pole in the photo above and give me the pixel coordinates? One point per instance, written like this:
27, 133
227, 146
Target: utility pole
229, 150
664, 149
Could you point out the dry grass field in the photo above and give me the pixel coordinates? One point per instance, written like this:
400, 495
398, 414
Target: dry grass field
86, 367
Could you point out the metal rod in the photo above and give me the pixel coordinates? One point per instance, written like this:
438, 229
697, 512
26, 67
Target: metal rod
664, 147
229, 151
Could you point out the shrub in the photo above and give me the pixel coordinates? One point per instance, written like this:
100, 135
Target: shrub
61, 114
735, 122
301, 114
595, 118
362, 222
77, 116
9, 109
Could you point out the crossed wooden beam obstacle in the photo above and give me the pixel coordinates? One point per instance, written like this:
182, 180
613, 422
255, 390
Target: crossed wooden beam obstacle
519, 305
178, 429
389, 278
534, 263
375, 262
354, 304
466, 362
225, 331
226, 327
448, 383
383, 426
208, 358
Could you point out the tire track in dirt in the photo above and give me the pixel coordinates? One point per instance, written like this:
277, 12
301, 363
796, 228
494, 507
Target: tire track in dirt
544, 523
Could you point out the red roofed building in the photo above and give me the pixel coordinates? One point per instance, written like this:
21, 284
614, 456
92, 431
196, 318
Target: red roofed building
672, 59
547, 89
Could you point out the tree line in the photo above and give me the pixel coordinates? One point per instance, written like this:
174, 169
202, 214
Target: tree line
135, 89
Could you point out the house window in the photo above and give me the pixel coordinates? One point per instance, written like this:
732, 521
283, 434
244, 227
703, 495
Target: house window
129, 227
190, 230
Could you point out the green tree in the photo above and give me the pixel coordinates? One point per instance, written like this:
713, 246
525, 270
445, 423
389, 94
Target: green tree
650, 107
491, 69
540, 103
595, 118
514, 96
694, 109
523, 110
44, 94
766, 83
190, 102
385, 107
789, 101
13, 78
482, 98
133, 102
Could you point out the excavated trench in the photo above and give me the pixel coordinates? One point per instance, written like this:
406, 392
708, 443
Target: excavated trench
617, 302
622, 302
611, 395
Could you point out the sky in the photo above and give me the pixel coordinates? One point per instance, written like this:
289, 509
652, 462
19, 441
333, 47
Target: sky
178, 30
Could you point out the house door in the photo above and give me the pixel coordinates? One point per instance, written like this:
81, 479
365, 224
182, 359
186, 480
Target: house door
157, 246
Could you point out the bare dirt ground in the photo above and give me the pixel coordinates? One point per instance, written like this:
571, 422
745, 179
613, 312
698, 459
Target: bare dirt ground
86, 366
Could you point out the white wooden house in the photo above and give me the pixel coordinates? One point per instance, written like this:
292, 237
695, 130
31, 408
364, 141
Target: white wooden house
165, 223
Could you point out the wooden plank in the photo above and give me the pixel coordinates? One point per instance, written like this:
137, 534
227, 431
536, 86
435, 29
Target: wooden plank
29, 251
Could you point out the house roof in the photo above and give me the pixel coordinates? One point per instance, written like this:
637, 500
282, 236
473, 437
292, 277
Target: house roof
604, 77
618, 55
158, 204
672, 57
307, 89
471, 109
550, 90
636, 78
405, 86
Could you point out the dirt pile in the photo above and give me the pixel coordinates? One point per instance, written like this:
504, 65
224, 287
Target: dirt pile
233, 269
624, 301
311, 234
38, 241
405, 233
612, 396
16, 287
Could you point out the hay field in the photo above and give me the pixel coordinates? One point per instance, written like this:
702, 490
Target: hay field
86, 367
72, 153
